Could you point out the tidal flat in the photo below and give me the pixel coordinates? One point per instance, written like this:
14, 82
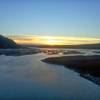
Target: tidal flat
87, 66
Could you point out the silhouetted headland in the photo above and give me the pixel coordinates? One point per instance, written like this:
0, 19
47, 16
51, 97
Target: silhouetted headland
6, 43
9, 48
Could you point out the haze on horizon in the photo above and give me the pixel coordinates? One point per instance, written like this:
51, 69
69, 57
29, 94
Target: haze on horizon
52, 40
51, 21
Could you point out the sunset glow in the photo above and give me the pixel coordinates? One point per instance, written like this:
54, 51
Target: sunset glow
53, 40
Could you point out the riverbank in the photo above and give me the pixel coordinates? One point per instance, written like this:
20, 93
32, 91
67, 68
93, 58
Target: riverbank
85, 65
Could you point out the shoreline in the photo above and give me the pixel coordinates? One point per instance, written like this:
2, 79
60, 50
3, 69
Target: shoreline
87, 66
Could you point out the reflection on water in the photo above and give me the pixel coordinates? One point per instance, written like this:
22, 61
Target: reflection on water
28, 78
67, 52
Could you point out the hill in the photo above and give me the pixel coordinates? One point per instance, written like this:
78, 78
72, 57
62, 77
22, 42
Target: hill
7, 43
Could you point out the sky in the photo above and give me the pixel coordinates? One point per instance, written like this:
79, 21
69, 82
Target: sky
60, 18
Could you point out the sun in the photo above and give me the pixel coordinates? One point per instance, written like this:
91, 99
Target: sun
52, 42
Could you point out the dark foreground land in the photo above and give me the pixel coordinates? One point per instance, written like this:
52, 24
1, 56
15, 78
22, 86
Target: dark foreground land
87, 66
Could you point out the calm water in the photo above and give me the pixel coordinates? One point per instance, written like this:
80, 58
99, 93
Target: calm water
26, 77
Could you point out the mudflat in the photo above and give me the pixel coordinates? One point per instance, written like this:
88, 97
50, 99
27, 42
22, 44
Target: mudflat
82, 64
